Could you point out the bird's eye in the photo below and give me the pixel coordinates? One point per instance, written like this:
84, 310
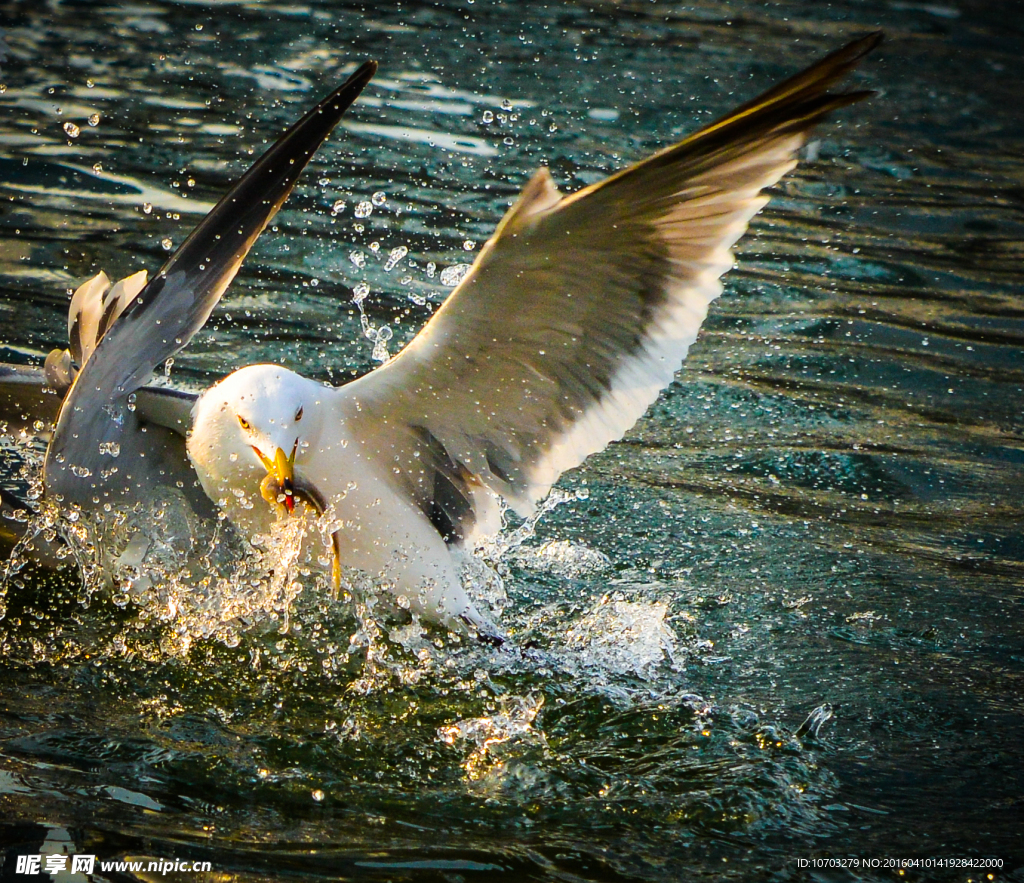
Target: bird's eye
245, 424
298, 414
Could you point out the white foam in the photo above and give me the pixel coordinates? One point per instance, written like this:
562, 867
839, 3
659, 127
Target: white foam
624, 637
562, 558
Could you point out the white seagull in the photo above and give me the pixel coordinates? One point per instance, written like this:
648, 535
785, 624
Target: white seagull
575, 315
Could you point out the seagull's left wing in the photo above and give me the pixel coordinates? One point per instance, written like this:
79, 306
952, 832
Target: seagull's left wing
98, 447
577, 313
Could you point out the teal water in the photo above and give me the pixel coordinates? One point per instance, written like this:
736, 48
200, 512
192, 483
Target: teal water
818, 521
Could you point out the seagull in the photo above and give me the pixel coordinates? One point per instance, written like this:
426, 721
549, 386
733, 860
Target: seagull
575, 315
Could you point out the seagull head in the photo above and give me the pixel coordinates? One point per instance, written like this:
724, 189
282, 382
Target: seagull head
252, 431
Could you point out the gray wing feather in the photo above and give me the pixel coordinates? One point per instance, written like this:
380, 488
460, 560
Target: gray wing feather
144, 330
165, 406
580, 309
29, 406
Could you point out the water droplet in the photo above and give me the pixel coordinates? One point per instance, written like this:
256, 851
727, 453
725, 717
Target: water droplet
379, 198
89, 84
199, 27
380, 344
358, 258
111, 449
375, 247
431, 269
508, 141
94, 120
454, 274
338, 207
488, 116
71, 130
359, 292
314, 282
233, 457
506, 104
394, 257
364, 209
167, 243
3, 88
98, 167
147, 208
469, 245
191, 182
318, 795
113, 413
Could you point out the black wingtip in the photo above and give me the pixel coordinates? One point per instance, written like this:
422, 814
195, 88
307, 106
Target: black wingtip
257, 195
209, 258
844, 59
364, 73
814, 81
799, 102
356, 82
871, 40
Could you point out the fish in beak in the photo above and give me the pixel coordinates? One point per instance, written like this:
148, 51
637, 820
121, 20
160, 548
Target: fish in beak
281, 487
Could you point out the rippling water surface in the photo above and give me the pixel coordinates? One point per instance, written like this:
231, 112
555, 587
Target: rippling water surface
779, 621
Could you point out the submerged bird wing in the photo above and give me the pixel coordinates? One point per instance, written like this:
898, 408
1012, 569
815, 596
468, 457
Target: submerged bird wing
29, 405
578, 312
96, 417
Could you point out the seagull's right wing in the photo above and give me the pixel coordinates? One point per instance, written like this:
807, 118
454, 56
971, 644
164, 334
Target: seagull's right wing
578, 312
141, 331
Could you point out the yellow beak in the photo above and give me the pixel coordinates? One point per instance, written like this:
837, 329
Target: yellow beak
280, 477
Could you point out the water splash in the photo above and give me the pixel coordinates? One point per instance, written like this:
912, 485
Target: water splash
562, 558
491, 737
624, 637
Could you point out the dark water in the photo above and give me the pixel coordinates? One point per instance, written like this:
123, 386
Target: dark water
823, 510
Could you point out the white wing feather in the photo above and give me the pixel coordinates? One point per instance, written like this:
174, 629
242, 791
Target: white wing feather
577, 313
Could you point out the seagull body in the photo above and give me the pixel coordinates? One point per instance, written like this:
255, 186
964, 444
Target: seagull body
575, 315
250, 418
